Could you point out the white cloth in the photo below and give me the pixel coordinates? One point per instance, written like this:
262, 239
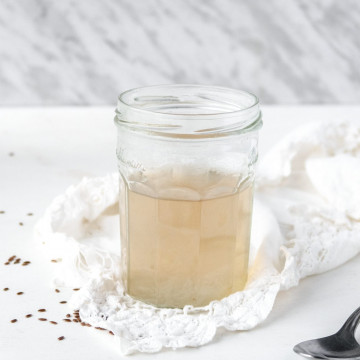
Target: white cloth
305, 221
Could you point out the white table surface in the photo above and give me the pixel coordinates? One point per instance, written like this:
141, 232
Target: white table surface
54, 148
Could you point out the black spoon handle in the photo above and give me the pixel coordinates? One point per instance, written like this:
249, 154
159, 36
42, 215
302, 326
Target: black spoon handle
352, 322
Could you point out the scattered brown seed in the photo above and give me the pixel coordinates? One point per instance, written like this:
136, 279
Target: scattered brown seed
57, 290
63, 302
54, 261
12, 258
19, 293
111, 333
17, 261
28, 315
21, 224
67, 320
41, 310
53, 322
83, 324
26, 262
99, 328
6, 289
14, 320
88, 325
76, 320
7, 263
42, 319
61, 338
2, 212
30, 214
68, 315
77, 289
11, 154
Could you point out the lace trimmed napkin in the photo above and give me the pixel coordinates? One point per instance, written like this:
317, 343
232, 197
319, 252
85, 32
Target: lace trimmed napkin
306, 220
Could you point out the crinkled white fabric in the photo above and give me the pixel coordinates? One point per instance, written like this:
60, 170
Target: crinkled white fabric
305, 221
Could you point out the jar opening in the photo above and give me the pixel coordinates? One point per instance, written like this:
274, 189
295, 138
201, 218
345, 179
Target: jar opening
188, 109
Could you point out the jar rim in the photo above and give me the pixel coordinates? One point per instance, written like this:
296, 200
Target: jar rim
188, 109
121, 99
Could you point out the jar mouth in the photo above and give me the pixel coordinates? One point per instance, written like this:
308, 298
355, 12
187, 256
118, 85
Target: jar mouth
188, 109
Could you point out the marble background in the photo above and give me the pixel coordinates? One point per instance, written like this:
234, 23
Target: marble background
85, 52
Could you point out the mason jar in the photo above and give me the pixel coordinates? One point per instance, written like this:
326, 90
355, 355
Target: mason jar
186, 157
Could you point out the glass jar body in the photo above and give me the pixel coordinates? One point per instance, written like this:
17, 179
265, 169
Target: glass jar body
185, 212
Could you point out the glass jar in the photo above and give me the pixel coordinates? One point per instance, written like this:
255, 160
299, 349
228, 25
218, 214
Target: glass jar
186, 156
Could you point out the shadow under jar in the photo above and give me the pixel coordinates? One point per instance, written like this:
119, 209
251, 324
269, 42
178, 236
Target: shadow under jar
186, 156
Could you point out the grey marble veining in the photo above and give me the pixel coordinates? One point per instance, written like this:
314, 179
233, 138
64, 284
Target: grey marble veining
86, 52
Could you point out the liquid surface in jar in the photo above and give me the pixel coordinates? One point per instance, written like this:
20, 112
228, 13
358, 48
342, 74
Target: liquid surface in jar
185, 252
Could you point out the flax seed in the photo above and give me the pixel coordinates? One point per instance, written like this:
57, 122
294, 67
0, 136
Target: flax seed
83, 324
68, 315
30, 214
57, 290
12, 258
7, 263
19, 293
99, 328
21, 224
63, 302
111, 333
42, 319
41, 310
25, 263
61, 338
28, 315
54, 261
14, 320
67, 320
6, 289
2, 212
53, 322
76, 320
77, 289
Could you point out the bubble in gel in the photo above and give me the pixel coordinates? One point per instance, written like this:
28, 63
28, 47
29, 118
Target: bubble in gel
190, 176
179, 193
218, 191
142, 189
